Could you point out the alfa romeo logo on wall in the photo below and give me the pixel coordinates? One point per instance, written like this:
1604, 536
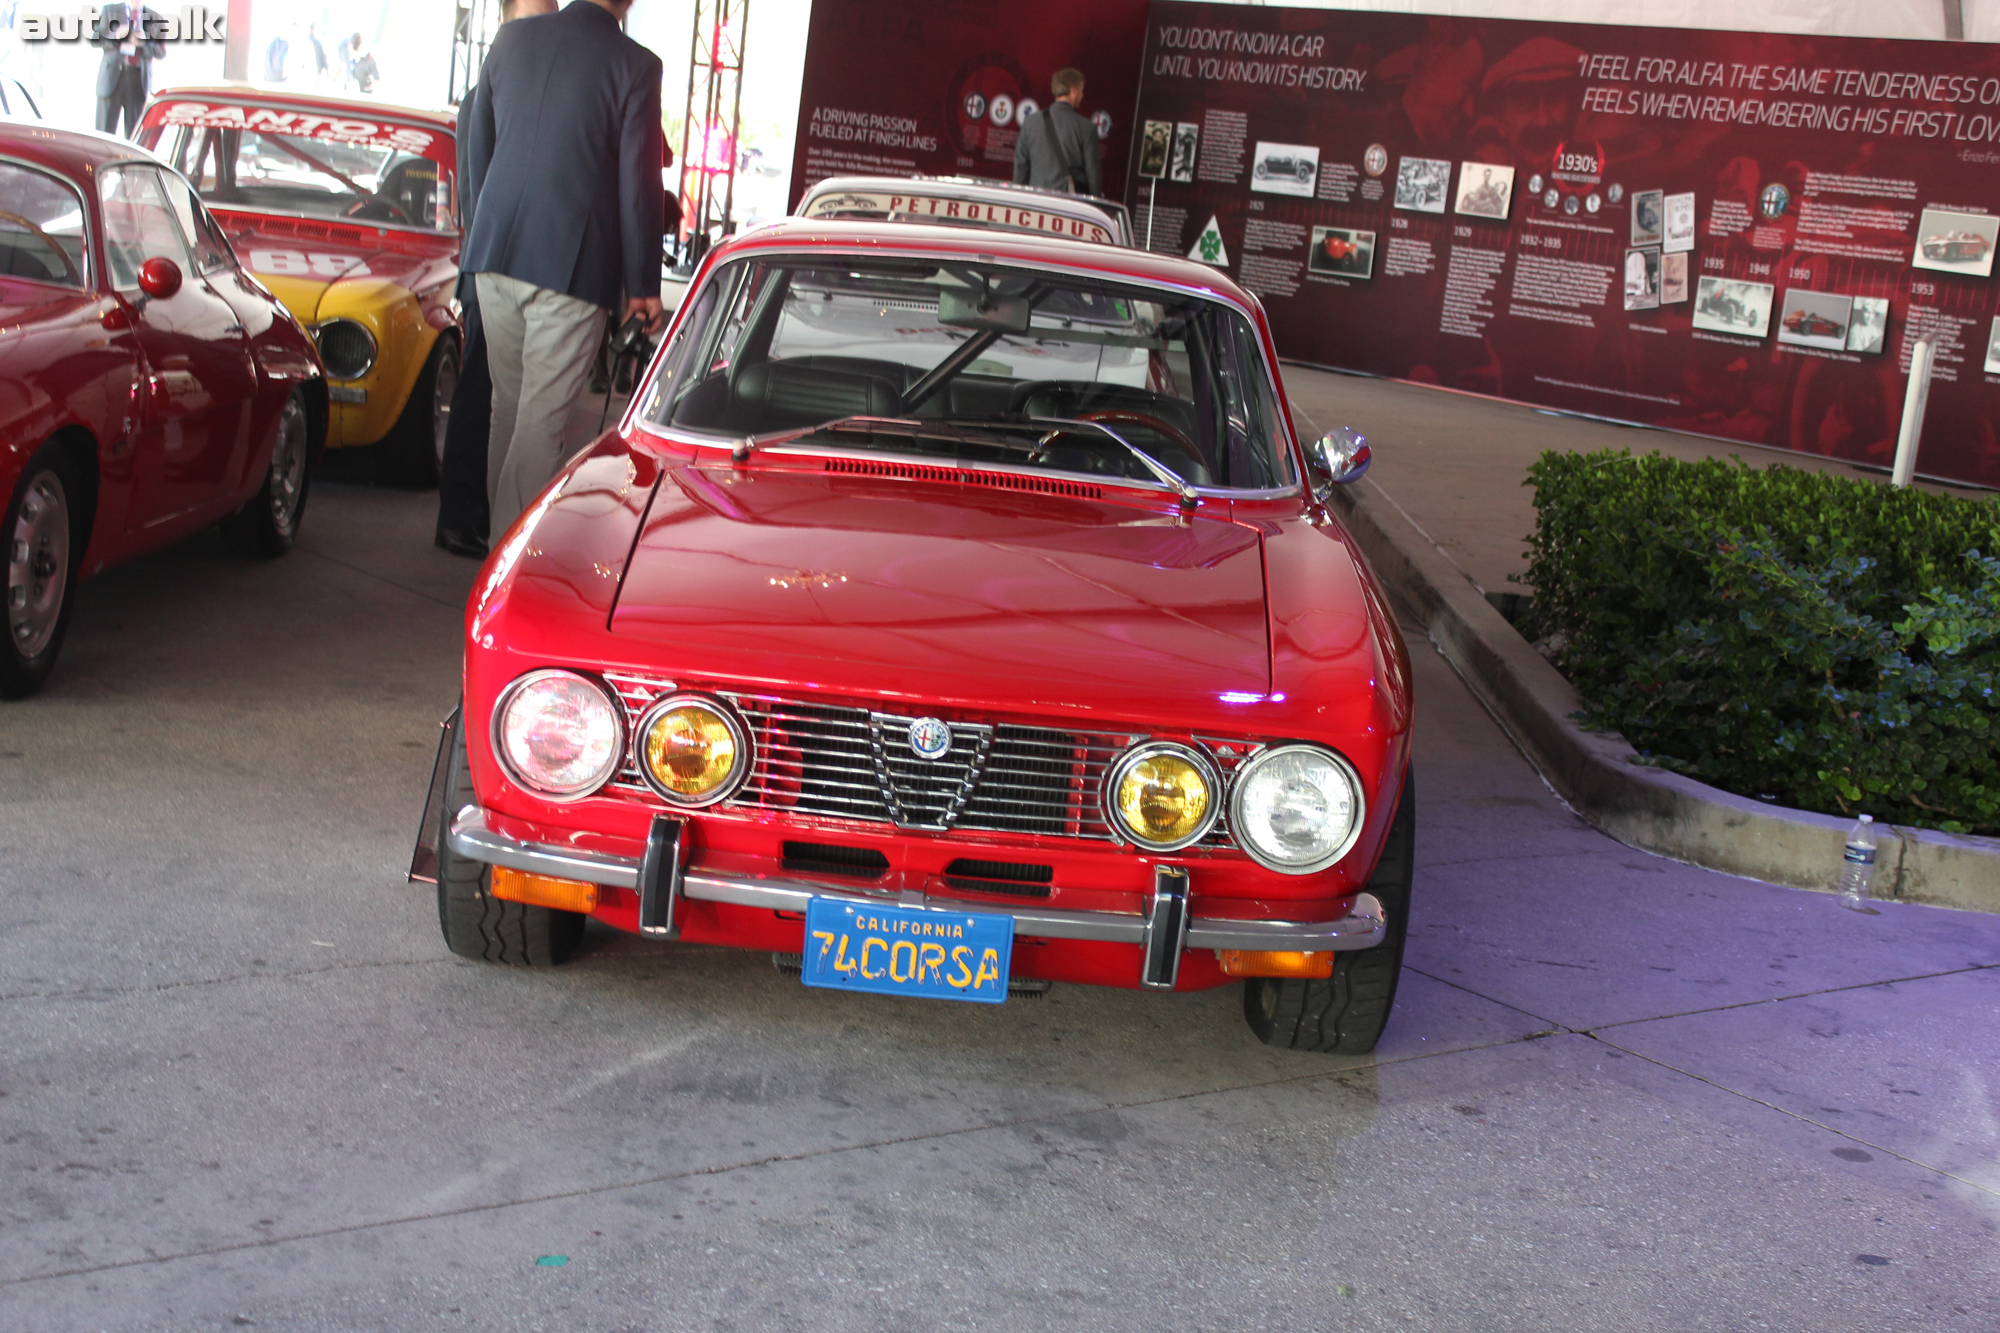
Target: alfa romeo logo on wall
1376, 160
930, 738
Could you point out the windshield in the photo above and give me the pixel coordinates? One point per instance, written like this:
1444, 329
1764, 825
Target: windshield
311, 165
977, 362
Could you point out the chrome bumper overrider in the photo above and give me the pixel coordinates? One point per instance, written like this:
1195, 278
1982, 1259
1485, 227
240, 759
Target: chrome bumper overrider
1363, 928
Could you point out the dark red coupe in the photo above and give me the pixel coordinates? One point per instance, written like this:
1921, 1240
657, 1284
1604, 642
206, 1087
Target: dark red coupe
953, 613
148, 386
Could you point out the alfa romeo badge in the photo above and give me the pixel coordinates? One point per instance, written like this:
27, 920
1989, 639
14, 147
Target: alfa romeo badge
930, 738
1376, 160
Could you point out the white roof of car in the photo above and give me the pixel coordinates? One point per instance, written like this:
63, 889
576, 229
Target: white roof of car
968, 201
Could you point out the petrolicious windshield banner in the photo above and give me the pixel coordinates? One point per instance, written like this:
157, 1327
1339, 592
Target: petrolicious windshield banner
1733, 234
896, 89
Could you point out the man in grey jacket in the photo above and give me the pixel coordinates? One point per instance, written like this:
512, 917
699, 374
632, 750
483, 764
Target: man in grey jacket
125, 74
1058, 148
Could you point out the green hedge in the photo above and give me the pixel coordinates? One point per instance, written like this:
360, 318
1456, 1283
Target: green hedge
1828, 643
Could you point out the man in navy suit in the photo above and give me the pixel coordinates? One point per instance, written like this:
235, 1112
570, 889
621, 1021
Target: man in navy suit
563, 152
461, 525
126, 71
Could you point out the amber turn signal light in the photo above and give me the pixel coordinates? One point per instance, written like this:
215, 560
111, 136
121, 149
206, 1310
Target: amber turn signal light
1274, 963
568, 895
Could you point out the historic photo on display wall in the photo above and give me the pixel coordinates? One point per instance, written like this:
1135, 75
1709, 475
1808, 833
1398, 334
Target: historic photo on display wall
1343, 252
1484, 190
1673, 278
1648, 222
1723, 305
1154, 142
1865, 332
1815, 319
1421, 183
1642, 279
1186, 136
1679, 234
1956, 242
1285, 168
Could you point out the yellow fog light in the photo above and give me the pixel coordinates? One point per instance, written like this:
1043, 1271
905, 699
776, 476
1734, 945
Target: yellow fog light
693, 750
1163, 796
1274, 963
519, 886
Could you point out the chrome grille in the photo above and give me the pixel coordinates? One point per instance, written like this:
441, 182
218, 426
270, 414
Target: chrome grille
1045, 780
925, 793
835, 761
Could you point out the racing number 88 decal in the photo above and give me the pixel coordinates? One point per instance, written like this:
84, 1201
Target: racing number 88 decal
301, 264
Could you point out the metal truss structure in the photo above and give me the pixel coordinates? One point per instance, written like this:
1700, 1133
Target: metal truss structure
471, 35
711, 124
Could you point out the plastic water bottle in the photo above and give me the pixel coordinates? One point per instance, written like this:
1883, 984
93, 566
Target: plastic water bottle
1857, 865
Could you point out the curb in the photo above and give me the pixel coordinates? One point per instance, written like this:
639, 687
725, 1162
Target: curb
1599, 775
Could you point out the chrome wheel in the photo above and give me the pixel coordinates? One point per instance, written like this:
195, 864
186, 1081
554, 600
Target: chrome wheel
288, 464
444, 385
37, 565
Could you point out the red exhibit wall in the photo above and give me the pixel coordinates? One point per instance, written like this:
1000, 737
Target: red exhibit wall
893, 88
1818, 169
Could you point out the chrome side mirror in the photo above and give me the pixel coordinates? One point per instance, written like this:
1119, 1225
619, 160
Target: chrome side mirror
1337, 458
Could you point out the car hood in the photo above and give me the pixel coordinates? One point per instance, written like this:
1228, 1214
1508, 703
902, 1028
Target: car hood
301, 261
941, 591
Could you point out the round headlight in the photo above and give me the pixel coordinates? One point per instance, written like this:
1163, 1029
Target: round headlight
559, 734
693, 749
1296, 808
1163, 796
346, 347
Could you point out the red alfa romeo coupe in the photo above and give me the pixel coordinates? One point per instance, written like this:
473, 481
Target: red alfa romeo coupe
149, 386
953, 613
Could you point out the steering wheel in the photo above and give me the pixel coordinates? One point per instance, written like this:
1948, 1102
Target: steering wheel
1118, 416
44, 238
377, 199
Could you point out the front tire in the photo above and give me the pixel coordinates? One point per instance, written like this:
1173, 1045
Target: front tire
1344, 1014
475, 923
43, 538
412, 453
269, 524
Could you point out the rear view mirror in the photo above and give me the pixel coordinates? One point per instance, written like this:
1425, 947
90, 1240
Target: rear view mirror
988, 312
1337, 458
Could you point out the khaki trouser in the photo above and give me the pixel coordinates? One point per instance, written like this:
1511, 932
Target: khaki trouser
539, 346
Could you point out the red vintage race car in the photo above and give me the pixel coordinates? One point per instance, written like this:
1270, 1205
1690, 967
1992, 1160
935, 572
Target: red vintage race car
952, 613
1955, 247
1807, 324
148, 386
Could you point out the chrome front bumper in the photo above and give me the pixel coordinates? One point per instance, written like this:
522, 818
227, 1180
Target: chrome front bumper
1165, 923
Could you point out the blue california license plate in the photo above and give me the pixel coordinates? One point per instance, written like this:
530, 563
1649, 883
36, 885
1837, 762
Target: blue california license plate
907, 951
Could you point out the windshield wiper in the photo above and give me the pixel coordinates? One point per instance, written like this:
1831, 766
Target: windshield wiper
974, 430
1171, 479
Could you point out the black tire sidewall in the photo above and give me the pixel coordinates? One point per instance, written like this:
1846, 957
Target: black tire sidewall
253, 530
407, 455
21, 676
1346, 1012
475, 924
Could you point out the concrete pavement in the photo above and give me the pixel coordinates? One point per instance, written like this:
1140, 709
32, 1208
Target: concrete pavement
1455, 465
243, 1085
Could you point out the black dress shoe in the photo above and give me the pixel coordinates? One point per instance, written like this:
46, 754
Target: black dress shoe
460, 542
